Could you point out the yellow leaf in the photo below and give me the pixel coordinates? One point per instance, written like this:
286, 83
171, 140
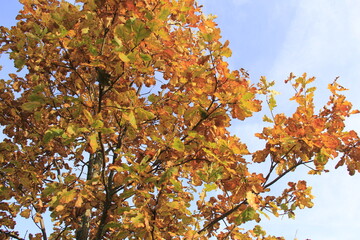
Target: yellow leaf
85, 30
37, 218
174, 205
70, 130
59, 208
267, 119
25, 213
132, 120
178, 145
79, 202
67, 196
251, 199
123, 57
93, 142
88, 116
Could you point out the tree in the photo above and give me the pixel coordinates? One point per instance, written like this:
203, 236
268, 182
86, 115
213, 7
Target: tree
118, 127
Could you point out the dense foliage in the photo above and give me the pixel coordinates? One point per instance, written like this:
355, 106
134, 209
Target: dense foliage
117, 126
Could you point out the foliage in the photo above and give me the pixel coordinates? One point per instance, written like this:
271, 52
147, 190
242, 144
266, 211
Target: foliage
117, 126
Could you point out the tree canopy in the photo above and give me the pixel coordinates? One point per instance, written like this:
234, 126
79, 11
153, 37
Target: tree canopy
116, 124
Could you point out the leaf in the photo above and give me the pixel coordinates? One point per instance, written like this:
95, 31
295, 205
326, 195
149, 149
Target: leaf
123, 57
267, 119
144, 115
272, 103
174, 205
132, 120
263, 213
88, 116
19, 63
226, 52
71, 130
164, 13
30, 106
93, 142
138, 220
36, 98
52, 133
59, 208
210, 187
79, 201
252, 200
97, 124
178, 145
67, 196
248, 214
145, 57
85, 30
25, 213
141, 32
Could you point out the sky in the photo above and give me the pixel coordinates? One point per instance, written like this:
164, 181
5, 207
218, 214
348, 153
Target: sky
272, 39
320, 37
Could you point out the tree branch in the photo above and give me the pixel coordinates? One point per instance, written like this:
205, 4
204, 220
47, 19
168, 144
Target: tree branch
8, 234
222, 216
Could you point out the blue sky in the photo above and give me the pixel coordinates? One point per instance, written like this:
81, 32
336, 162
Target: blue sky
320, 37
274, 38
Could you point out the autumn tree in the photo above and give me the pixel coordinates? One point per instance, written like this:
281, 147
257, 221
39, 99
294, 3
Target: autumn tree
116, 124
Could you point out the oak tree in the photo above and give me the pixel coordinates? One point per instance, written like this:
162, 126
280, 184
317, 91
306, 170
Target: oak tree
116, 124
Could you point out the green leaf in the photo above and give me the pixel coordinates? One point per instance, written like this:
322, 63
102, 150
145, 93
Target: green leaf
203, 113
97, 124
123, 32
30, 106
248, 214
106, 130
132, 119
177, 185
178, 145
113, 225
259, 231
118, 41
210, 187
141, 32
139, 218
127, 194
272, 102
145, 57
267, 119
143, 114
164, 14
208, 37
52, 133
226, 52
71, 130
267, 216
152, 98
37, 98
19, 63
